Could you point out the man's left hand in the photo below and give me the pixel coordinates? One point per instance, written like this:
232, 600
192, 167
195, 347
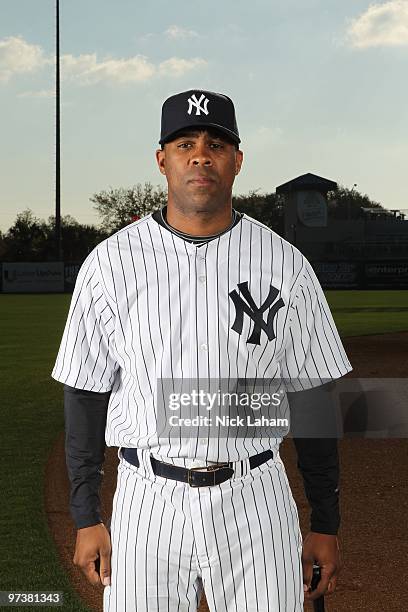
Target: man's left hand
324, 550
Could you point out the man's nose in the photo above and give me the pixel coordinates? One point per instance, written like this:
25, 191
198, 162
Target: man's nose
201, 156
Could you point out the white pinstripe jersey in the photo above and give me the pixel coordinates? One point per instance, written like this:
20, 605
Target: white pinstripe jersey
149, 305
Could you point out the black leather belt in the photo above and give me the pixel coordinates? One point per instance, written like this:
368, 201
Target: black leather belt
195, 477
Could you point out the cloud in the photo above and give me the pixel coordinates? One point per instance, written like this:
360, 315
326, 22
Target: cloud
381, 25
176, 66
176, 32
145, 37
87, 70
17, 56
263, 136
41, 93
268, 134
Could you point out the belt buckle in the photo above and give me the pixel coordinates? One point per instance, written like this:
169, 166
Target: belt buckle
216, 466
208, 468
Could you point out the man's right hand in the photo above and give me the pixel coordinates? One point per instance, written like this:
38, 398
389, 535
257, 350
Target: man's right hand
93, 543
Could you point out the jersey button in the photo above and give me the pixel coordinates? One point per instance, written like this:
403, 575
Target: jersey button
204, 347
202, 278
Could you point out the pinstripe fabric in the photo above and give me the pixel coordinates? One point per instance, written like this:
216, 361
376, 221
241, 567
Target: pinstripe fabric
240, 541
148, 305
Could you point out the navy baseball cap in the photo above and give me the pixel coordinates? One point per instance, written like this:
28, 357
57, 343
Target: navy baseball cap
198, 108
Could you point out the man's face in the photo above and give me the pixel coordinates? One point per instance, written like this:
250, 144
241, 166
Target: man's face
200, 167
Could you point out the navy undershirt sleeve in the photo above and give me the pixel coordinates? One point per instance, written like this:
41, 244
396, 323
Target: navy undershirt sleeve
85, 421
319, 465
317, 457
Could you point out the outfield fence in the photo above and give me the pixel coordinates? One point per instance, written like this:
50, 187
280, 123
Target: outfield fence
38, 277
387, 274
60, 277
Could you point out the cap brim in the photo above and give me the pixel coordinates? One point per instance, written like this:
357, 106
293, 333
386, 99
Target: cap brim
220, 128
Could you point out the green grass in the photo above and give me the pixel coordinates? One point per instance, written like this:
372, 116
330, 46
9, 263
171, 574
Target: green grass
369, 312
32, 417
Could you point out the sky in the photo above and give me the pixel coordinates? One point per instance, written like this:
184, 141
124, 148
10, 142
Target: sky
318, 85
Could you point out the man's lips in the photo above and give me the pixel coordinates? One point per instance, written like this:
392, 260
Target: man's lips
201, 180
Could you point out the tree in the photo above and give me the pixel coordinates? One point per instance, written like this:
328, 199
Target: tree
266, 208
3, 246
118, 207
33, 239
25, 240
78, 239
347, 203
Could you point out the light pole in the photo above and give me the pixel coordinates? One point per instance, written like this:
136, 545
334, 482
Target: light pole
58, 246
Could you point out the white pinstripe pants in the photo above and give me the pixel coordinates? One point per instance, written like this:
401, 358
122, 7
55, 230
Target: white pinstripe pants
240, 541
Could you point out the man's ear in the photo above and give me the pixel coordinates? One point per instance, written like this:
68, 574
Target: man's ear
160, 158
239, 157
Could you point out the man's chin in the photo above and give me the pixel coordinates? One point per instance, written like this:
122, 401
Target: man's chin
202, 197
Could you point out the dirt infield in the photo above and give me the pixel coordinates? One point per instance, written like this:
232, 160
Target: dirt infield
374, 500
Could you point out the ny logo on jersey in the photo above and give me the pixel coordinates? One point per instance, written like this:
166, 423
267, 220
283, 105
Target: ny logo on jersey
192, 101
256, 314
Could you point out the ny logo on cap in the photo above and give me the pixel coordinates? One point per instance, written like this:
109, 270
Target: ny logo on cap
192, 101
256, 314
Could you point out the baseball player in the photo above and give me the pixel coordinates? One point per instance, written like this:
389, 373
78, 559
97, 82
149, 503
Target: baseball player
192, 293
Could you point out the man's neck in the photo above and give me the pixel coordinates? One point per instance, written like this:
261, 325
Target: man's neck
196, 224
160, 217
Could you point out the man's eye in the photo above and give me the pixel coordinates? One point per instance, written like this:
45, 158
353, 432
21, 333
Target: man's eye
213, 145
